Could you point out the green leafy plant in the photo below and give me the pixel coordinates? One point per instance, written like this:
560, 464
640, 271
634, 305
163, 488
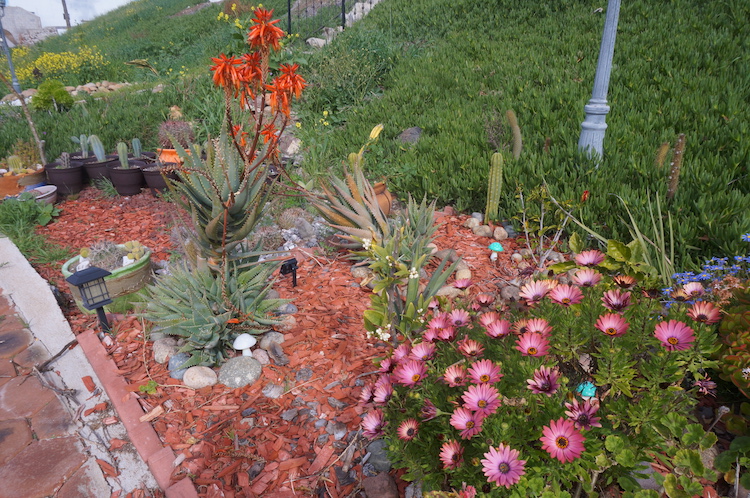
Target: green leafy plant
732, 462
51, 95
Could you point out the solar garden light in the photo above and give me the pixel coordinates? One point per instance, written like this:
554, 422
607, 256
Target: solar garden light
16, 86
93, 289
290, 266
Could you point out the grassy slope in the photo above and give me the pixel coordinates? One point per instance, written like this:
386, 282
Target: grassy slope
680, 67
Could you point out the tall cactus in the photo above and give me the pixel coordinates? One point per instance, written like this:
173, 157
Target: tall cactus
98, 148
516, 130
137, 149
122, 153
494, 186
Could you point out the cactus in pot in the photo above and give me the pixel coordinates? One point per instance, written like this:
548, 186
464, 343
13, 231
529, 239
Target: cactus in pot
98, 148
83, 142
122, 153
137, 149
15, 165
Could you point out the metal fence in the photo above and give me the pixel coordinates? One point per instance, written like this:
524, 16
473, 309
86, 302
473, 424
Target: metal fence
310, 18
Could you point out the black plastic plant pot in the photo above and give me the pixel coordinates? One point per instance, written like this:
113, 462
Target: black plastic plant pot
127, 181
69, 181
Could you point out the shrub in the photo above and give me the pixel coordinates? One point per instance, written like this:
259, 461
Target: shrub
52, 95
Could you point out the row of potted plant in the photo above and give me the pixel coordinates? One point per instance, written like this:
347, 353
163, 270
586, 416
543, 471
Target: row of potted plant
127, 171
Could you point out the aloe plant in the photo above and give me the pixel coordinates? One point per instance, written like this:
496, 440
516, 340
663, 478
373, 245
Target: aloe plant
226, 198
209, 310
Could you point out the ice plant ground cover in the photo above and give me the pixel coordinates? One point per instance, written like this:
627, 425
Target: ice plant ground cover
580, 385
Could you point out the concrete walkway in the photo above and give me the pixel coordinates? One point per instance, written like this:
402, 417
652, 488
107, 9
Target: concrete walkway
61, 433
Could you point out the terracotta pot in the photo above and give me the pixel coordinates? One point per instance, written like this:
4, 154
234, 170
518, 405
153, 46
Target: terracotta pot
68, 181
168, 156
385, 199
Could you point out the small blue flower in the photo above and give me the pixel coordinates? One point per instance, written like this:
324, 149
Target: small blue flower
703, 276
746, 237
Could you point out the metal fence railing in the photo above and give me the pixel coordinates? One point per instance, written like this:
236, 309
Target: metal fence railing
310, 18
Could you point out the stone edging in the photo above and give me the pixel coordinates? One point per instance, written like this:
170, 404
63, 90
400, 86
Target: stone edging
143, 436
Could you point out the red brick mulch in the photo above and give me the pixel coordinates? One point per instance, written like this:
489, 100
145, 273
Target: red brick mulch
234, 442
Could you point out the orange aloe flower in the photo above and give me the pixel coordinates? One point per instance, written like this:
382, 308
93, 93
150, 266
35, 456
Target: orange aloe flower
291, 79
279, 96
269, 133
225, 71
264, 34
250, 69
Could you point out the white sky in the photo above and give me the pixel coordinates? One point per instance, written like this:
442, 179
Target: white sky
51, 11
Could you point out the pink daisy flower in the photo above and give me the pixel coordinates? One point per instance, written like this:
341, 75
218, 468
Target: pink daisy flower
455, 375
447, 334
590, 258
460, 318
562, 440
466, 421
439, 321
693, 289
502, 466
434, 304
410, 373
615, 300
428, 410
538, 325
423, 351
365, 395
382, 393
401, 353
470, 348
624, 281
372, 424
430, 335
485, 299
521, 326
674, 335
452, 454
704, 312
500, 328
489, 317
534, 291
532, 344
467, 491
386, 365
483, 399
587, 277
612, 324
545, 381
462, 283
566, 295
485, 372
408, 429
582, 414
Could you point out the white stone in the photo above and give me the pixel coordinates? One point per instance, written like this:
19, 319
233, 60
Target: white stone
198, 377
462, 274
316, 42
471, 223
482, 230
163, 349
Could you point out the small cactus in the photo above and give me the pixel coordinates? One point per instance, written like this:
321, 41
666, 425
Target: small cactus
136, 148
98, 148
65, 160
122, 153
15, 164
83, 141
494, 186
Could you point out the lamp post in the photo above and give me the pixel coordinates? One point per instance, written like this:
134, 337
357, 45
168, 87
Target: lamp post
594, 126
93, 289
16, 86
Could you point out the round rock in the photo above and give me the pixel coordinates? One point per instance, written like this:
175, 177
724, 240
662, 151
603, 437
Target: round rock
175, 362
164, 349
271, 338
198, 377
500, 233
482, 230
240, 371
